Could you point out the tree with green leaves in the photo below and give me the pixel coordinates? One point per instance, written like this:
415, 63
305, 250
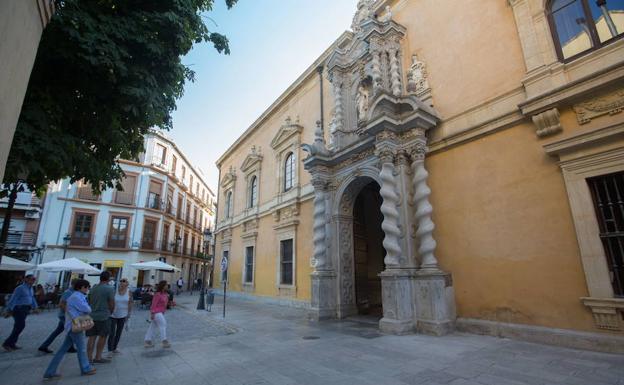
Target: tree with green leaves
105, 72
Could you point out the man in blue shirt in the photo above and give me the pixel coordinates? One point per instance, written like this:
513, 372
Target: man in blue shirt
21, 303
61, 324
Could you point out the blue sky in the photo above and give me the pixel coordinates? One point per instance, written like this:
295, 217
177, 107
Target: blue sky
272, 43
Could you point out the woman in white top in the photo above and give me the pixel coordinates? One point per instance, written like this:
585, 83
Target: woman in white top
121, 313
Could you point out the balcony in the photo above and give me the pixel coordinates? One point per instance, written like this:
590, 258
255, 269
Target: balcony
153, 202
21, 240
158, 162
124, 198
170, 209
86, 193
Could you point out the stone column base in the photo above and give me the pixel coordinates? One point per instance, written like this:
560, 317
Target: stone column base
398, 301
435, 302
323, 301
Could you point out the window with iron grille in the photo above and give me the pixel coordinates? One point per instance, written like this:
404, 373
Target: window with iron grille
608, 195
81, 236
286, 262
118, 232
249, 261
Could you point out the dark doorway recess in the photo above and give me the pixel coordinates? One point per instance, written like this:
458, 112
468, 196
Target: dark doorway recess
368, 250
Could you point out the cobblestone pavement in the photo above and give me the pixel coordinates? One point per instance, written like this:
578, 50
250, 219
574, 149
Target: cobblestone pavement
262, 344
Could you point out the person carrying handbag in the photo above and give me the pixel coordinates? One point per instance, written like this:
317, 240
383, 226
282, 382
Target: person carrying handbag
77, 320
157, 316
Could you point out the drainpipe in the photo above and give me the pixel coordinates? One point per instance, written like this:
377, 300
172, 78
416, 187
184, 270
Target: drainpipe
319, 69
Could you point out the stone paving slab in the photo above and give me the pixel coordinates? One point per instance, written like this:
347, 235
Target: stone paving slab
267, 344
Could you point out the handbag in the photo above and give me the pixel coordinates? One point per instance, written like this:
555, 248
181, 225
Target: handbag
82, 323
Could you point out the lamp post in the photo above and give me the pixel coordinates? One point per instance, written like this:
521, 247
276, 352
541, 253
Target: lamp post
66, 240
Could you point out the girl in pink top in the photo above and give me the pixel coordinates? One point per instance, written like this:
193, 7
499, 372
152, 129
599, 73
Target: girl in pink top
157, 310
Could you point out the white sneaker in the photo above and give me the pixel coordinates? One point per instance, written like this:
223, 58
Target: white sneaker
166, 344
148, 344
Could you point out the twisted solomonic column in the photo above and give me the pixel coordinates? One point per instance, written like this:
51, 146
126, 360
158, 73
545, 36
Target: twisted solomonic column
423, 209
377, 72
338, 113
390, 224
319, 239
395, 76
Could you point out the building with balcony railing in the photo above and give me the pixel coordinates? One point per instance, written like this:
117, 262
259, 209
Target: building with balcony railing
22, 238
153, 216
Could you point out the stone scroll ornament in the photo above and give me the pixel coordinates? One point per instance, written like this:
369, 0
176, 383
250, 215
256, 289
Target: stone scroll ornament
390, 224
424, 233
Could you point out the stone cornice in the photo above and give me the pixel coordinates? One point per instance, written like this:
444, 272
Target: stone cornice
584, 139
309, 73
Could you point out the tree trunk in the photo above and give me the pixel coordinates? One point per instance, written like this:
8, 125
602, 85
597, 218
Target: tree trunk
7, 218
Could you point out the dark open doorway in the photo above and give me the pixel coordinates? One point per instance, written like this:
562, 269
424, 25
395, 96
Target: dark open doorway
368, 250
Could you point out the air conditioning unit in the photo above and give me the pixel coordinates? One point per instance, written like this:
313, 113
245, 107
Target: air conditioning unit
32, 214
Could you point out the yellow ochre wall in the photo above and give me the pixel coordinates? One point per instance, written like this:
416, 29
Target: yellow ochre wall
503, 223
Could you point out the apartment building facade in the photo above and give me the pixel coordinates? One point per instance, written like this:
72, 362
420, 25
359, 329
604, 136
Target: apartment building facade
443, 166
164, 212
22, 237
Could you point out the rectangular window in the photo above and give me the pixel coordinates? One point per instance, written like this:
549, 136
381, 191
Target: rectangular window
153, 197
149, 235
118, 232
608, 196
174, 163
85, 191
191, 184
83, 229
286, 262
179, 208
183, 172
165, 237
188, 213
126, 197
249, 261
160, 156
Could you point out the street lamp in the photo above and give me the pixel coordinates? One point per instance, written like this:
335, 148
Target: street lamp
66, 240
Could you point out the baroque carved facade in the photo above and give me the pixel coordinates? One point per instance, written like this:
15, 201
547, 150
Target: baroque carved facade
482, 162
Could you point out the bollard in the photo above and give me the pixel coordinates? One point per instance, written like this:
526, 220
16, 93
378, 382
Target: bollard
201, 305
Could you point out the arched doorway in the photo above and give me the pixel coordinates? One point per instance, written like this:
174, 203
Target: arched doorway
368, 251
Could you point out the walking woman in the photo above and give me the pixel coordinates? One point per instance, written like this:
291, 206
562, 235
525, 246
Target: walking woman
157, 310
121, 314
77, 306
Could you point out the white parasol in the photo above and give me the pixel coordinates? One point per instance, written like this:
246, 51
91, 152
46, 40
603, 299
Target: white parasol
70, 264
13, 264
154, 265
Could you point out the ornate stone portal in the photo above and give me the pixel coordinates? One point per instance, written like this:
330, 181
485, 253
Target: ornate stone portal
377, 134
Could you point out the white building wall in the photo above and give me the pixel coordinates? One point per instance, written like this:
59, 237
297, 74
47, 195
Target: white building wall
62, 202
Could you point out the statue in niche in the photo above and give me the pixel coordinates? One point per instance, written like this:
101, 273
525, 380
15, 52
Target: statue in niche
361, 99
387, 16
417, 76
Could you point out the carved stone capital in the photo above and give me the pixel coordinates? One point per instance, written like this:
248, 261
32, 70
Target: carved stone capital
547, 123
402, 158
418, 151
386, 154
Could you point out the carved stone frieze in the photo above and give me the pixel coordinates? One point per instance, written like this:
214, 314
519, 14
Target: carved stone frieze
547, 122
608, 104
